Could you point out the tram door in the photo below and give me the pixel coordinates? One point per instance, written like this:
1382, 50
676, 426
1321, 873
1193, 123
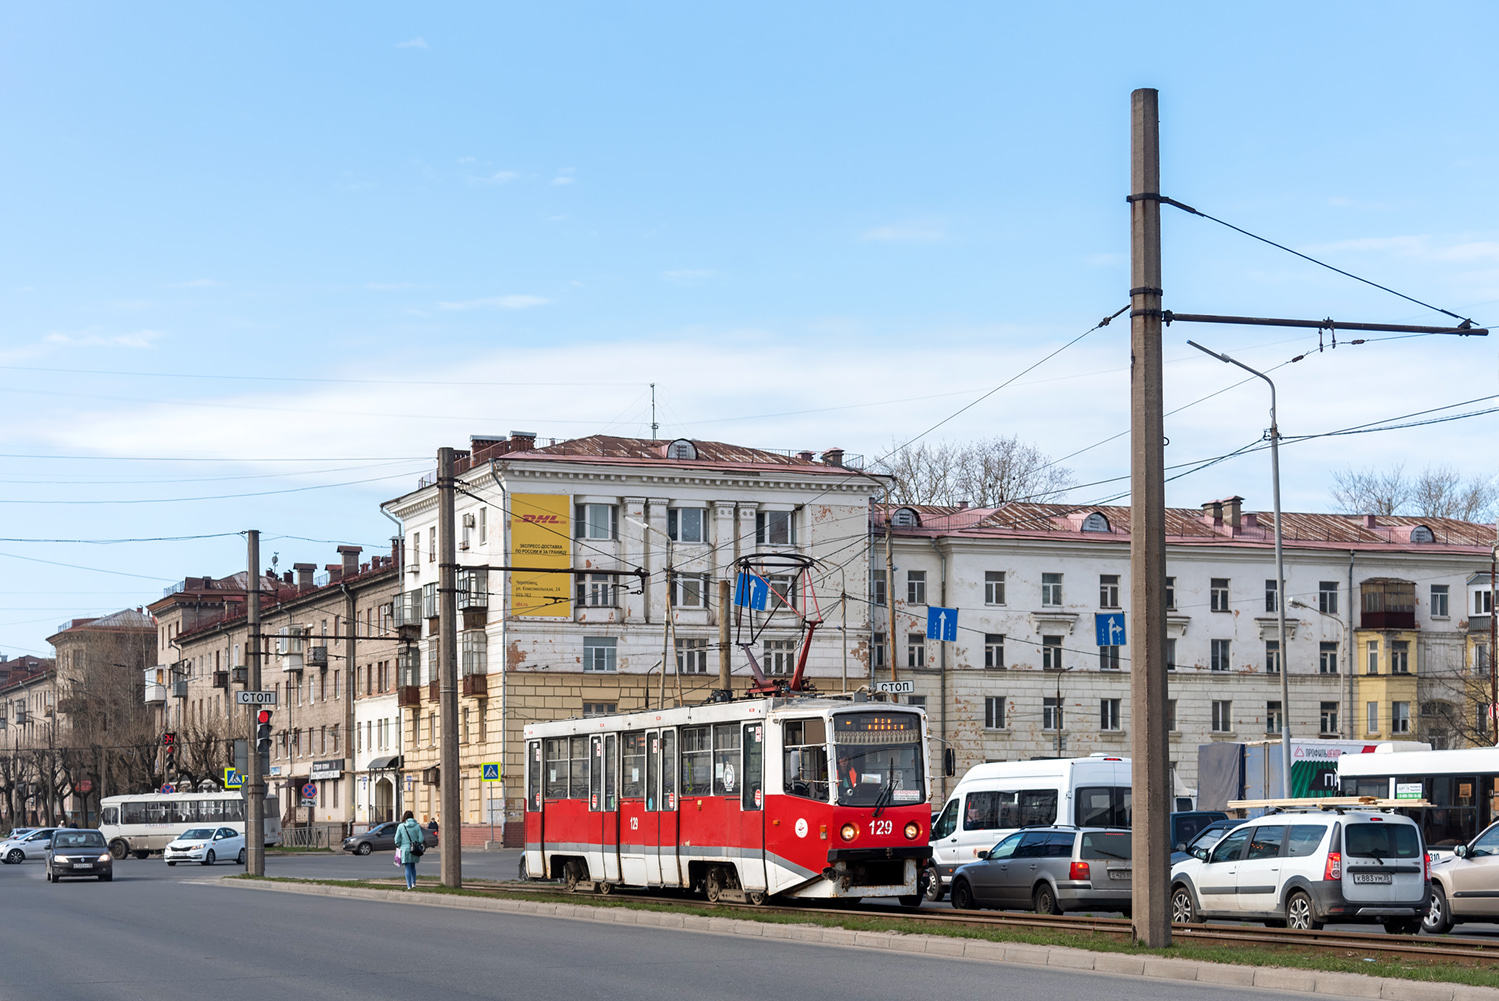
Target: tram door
610, 808
535, 829
598, 849
637, 818
752, 807
670, 821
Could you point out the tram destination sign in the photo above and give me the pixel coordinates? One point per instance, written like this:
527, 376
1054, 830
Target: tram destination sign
255, 698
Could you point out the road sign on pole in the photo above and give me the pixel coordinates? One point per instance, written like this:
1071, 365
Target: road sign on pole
233, 779
751, 590
167, 789
491, 771
941, 623
255, 698
309, 791
895, 687
1109, 627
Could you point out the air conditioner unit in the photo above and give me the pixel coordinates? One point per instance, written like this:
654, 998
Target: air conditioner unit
469, 521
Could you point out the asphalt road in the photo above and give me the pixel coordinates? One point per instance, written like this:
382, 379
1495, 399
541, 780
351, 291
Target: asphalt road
179, 935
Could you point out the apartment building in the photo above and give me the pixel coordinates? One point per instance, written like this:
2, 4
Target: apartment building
581, 640
1378, 647
28, 720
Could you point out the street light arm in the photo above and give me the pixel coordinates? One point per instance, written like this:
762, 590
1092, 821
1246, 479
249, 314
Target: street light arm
1234, 361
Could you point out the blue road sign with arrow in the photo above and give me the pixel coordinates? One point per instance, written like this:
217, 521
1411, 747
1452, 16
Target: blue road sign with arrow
941, 623
751, 590
1110, 628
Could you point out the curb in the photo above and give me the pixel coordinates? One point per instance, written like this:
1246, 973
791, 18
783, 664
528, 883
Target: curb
1349, 985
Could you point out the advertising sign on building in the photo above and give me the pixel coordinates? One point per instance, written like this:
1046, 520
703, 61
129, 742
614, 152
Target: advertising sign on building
541, 536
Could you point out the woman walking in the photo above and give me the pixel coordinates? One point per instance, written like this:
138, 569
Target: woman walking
411, 843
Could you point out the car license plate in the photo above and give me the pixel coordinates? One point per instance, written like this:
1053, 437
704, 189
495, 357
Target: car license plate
1120, 873
83, 865
1372, 877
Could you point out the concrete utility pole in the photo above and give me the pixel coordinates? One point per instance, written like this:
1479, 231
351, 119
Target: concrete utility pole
1493, 636
254, 777
449, 785
889, 593
1147, 545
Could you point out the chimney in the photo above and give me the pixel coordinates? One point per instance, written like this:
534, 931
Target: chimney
1212, 513
397, 546
350, 557
522, 441
335, 572
1231, 508
833, 457
304, 574
962, 505
287, 577
1369, 521
805, 456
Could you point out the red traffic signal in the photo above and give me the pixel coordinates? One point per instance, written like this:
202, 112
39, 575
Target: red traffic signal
264, 716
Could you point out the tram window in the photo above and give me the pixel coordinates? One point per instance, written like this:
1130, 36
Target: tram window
668, 769
595, 772
697, 761
632, 778
754, 766
611, 771
577, 782
805, 758
556, 767
533, 776
652, 768
726, 759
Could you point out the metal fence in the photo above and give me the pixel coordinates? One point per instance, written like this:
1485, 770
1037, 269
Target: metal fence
312, 836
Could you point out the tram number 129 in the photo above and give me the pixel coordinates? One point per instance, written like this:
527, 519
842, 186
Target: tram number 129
878, 827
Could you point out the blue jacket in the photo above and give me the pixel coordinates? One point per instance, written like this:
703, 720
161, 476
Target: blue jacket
407, 834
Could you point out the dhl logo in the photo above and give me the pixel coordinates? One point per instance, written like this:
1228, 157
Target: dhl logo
541, 519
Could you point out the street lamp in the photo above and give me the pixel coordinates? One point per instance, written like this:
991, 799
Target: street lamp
1280, 576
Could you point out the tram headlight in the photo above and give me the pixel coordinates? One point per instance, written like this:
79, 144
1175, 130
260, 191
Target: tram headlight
848, 832
913, 831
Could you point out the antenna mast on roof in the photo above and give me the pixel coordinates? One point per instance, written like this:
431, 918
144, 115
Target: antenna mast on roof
654, 426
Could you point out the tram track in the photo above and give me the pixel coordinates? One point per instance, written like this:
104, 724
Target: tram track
1447, 948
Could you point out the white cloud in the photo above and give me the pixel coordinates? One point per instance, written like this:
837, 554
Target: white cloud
140, 339
413, 43
564, 175
563, 180
196, 283
498, 177
497, 302
912, 231
689, 276
1417, 246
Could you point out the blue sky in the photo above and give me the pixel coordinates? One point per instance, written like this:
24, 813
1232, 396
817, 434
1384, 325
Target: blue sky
346, 235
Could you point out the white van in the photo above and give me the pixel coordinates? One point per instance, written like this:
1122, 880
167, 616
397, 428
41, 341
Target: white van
998, 798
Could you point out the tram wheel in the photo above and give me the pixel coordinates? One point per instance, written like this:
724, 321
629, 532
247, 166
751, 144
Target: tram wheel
713, 885
572, 875
756, 897
606, 888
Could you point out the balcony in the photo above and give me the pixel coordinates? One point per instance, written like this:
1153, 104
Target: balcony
429, 601
409, 695
476, 685
179, 689
241, 675
473, 590
1387, 603
317, 656
221, 679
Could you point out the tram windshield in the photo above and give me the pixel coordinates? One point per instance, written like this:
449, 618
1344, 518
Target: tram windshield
878, 758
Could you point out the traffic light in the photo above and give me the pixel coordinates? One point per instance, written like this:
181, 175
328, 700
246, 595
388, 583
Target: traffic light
169, 745
263, 732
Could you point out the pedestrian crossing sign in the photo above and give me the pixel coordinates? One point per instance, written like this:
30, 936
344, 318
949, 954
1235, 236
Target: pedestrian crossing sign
233, 779
491, 771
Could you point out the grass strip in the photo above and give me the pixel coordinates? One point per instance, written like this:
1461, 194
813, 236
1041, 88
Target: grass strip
1434, 970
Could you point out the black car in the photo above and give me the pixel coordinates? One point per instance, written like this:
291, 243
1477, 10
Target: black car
382, 838
1187, 824
79, 853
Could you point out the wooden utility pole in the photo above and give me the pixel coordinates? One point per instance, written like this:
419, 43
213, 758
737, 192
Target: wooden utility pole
724, 682
254, 776
1147, 547
449, 784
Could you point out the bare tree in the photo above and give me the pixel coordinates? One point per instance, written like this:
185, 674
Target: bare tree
1368, 491
986, 473
1438, 492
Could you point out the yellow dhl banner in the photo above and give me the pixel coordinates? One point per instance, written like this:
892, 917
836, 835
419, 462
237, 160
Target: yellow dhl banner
541, 536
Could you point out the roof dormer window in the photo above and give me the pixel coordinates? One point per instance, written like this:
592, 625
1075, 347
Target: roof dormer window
905, 517
1095, 522
1422, 534
681, 449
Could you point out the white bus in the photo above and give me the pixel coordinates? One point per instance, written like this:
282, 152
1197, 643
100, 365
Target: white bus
143, 825
1462, 787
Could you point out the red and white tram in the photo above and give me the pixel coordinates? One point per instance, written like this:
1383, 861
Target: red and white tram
781, 795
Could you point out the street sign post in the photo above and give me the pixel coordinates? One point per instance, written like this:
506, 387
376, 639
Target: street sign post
941, 623
255, 698
233, 779
491, 771
1109, 627
309, 791
167, 789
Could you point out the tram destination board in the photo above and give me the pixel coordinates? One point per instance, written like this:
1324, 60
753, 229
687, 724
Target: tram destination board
864, 728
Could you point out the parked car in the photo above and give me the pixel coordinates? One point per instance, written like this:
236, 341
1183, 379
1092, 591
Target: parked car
1302, 868
382, 838
1187, 824
206, 845
1463, 883
79, 853
1050, 870
31, 845
1197, 846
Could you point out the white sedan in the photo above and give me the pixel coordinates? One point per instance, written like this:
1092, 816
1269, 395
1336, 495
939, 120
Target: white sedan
206, 845
32, 845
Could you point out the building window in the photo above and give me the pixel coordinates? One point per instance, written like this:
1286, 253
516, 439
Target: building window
1218, 594
917, 701
1327, 597
1483, 601
1327, 658
782, 591
1108, 658
916, 587
483, 525
1481, 657
877, 651
1170, 594
1400, 657
1219, 652
1171, 715
686, 524
1372, 657
1052, 714
1400, 717
780, 657
1329, 720
1272, 594
432, 729
916, 649
1108, 590
1170, 654
596, 521
1108, 714
1223, 716
1051, 653
877, 588
1274, 718
775, 528
598, 653
692, 656
475, 652
1095, 522
596, 590
463, 728
1439, 595
994, 712
431, 545
1272, 656
1373, 714
1051, 590
600, 708
994, 587
994, 650
689, 590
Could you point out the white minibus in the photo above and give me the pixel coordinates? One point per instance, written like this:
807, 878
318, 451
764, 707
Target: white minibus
995, 799
144, 824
